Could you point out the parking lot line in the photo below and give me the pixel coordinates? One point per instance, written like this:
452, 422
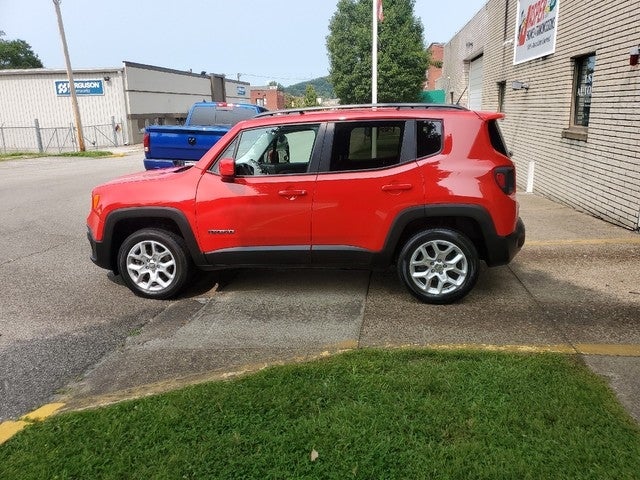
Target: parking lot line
608, 349
584, 241
603, 349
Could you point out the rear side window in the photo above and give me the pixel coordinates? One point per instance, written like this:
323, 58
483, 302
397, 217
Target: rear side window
429, 137
497, 141
220, 115
366, 145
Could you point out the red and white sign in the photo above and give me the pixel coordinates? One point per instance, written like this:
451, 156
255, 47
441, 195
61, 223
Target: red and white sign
536, 29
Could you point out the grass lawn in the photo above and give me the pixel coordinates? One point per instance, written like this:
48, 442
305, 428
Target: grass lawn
88, 153
373, 414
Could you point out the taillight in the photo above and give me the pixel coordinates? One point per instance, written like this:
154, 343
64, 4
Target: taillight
145, 142
506, 179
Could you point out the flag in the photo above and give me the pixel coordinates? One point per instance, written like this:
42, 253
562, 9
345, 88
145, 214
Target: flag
379, 11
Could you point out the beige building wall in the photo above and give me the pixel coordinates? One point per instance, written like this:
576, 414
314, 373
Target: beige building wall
598, 173
467, 45
27, 95
237, 91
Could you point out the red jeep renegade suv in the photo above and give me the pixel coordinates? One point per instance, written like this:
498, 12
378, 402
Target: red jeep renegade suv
429, 188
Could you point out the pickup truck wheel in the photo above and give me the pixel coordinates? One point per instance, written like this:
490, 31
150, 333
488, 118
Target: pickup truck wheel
154, 263
438, 266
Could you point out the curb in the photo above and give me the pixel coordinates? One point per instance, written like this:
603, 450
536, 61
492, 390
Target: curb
9, 428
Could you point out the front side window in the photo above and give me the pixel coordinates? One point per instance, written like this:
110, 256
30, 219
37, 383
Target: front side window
582, 89
366, 145
272, 150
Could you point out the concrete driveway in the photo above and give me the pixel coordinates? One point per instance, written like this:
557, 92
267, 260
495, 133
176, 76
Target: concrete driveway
574, 288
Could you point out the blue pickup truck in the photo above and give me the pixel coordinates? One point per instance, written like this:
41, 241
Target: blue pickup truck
177, 145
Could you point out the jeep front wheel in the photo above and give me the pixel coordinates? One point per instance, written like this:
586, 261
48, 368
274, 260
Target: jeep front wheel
438, 266
154, 263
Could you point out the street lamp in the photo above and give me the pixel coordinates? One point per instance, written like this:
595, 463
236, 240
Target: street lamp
72, 87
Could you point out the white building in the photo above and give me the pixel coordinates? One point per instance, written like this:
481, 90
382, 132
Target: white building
115, 104
563, 73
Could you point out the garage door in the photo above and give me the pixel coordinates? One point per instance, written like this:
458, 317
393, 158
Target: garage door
475, 84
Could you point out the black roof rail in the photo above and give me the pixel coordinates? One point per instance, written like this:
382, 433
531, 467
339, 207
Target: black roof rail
397, 106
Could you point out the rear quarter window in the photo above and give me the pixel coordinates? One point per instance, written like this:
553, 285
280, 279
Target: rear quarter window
497, 141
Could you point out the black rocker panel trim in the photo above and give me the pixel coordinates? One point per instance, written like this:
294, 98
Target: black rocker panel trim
261, 256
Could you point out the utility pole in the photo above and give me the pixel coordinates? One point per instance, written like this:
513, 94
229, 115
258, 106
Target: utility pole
72, 87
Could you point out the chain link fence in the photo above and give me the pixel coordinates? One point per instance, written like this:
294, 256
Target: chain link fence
59, 139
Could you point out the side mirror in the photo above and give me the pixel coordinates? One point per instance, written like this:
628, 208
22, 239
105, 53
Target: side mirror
227, 169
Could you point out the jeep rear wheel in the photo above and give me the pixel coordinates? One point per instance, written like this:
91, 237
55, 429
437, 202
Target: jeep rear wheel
438, 266
154, 263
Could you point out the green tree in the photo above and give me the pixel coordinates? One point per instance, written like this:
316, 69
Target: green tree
402, 56
310, 97
17, 54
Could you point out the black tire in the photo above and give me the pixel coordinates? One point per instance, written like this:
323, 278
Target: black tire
154, 263
438, 266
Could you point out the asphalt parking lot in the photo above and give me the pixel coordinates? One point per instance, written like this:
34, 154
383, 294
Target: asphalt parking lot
574, 288
83, 339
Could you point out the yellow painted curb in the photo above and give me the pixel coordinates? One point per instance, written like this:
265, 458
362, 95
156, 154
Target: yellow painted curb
43, 412
9, 428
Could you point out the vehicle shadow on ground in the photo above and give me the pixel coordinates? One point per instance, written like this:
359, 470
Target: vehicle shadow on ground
201, 284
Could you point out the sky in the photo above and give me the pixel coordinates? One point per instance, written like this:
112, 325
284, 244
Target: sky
261, 40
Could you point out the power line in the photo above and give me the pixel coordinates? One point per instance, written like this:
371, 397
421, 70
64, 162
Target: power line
275, 78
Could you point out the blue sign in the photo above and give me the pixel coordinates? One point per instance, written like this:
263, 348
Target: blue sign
240, 90
83, 87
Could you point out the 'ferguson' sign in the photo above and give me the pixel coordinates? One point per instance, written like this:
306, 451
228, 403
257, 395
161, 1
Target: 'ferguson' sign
536, 28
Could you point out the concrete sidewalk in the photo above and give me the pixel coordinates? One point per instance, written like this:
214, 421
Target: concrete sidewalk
574, 288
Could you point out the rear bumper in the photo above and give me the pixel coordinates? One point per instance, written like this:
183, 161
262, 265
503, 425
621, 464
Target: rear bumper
501, 250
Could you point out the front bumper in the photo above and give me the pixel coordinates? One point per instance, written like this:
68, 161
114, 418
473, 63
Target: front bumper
100, 254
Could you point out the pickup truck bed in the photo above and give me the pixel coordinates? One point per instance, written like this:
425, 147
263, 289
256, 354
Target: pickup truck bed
175, 145
207, 122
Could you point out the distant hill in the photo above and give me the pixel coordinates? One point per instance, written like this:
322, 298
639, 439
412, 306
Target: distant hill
323, 88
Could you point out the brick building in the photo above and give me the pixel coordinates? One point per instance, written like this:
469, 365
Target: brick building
270, 97
562, 73
434, 72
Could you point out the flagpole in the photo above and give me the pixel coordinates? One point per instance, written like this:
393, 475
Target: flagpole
374, 53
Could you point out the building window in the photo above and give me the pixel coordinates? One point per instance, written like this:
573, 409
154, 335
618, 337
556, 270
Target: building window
582, 92
581, 97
